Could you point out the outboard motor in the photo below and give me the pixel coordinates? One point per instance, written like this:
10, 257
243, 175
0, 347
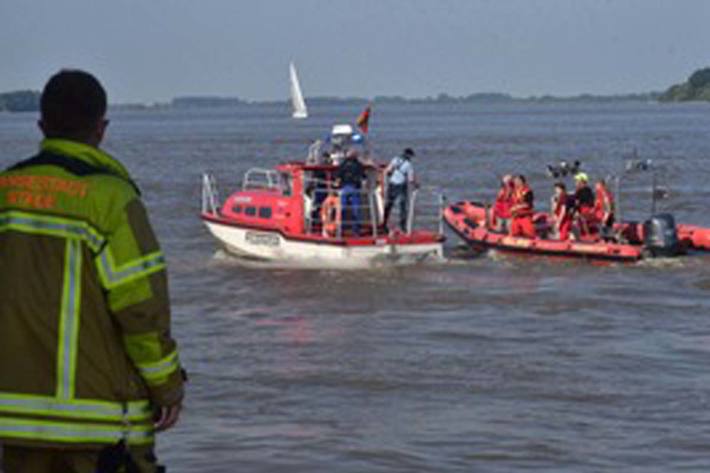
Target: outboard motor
659, 235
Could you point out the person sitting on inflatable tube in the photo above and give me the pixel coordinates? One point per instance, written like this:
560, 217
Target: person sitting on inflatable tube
562, 212
522, 209
501, 208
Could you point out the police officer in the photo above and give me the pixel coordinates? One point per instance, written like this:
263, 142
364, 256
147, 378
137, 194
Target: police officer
401, 177
88, 368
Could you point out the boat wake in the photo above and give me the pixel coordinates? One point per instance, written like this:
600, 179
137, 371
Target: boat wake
663, 263
386, 261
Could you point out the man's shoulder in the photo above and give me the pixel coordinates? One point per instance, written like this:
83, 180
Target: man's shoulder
112, 185
71, 179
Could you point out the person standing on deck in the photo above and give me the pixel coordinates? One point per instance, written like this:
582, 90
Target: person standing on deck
604, 208
561, 212
88, 368
584, 204
401, 178
522, 209
500, 214
349, 177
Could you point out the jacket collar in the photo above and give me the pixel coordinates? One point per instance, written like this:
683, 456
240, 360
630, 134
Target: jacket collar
84, 152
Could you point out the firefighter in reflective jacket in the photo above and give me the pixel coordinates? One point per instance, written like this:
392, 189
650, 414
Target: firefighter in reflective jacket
88, 369
522, 209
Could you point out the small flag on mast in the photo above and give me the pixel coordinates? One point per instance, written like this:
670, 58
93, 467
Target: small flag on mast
363, 120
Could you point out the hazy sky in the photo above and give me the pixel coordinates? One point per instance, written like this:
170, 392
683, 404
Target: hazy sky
153, 50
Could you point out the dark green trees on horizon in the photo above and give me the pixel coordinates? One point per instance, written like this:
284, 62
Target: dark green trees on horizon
20, 101
697, 87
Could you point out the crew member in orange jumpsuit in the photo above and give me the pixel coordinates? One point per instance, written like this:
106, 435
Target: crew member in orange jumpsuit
562, 212
501, 208
604, 206
522, 209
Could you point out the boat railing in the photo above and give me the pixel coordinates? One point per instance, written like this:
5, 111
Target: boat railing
210, 195
424, 211
261, 179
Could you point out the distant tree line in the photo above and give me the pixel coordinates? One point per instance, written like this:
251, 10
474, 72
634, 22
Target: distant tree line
697, 87
205, 101
477, 98
20, 101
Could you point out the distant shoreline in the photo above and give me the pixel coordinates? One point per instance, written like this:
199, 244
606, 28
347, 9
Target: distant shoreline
26, 101
478, 98
696, 88
481, 98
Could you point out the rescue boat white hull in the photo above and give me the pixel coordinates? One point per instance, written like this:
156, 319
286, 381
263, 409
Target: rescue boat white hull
273, 246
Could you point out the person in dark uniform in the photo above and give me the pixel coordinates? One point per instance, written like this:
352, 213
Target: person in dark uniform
349, 177
584, 204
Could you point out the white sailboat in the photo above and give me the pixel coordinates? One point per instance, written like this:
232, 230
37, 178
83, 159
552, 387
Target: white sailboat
299, 105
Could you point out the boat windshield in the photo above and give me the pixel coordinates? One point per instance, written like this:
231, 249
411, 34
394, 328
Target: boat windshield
266, 179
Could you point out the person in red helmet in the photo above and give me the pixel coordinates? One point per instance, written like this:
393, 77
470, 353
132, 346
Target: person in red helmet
522, 209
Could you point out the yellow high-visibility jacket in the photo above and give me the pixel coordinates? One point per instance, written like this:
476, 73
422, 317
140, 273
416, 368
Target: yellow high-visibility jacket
85, 348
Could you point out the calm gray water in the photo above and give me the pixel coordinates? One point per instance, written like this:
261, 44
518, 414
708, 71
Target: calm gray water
482, 363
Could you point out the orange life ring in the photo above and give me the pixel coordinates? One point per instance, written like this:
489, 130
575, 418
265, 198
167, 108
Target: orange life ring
330, 215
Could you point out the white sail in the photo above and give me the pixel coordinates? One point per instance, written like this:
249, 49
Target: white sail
299, 105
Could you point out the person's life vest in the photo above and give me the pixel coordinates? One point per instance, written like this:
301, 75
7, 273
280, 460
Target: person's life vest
503, 202
562, 210
330, 215
522, 202
604, 203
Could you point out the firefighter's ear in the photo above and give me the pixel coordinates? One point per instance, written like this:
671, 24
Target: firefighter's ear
101, 130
